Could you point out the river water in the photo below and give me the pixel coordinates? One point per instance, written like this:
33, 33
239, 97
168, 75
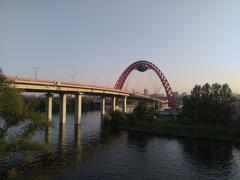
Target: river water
92, 152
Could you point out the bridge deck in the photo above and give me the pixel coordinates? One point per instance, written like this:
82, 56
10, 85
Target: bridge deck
32, 85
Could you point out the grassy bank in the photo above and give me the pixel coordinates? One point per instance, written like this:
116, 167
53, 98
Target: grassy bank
176, 129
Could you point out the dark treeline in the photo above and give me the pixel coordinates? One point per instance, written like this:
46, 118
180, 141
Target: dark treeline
209, 104
206, 113
39, 103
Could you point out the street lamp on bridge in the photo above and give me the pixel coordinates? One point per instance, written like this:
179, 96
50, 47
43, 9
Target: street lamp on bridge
35, 72
94, 81
73, 75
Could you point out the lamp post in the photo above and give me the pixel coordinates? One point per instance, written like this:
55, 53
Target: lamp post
94, 81
36, 72
73, 76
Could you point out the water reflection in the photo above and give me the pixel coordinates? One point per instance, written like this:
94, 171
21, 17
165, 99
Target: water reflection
140, 140
62, 136
207, 152
77, 136
212, 157
91, 151
48, 135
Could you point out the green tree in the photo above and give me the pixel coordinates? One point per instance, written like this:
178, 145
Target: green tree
14, 111
209, 104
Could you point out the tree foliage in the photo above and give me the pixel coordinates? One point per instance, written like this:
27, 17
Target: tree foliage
14, 111
145, 114
209, 104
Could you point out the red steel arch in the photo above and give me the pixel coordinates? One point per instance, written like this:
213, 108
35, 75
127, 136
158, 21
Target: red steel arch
143, 66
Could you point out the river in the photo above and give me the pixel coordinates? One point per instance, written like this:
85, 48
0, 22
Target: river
92, 152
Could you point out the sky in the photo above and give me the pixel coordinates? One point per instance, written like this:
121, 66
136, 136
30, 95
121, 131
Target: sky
191, 41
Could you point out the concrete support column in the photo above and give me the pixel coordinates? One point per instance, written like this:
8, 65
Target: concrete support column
148, 105
49, 98
62, 109
156, 105
124, 104
78, 108
103, 104
152, 105
114, 104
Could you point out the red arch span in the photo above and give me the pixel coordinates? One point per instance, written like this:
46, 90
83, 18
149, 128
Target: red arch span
144, 66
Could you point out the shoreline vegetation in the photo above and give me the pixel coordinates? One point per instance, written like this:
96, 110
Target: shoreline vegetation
206, 113
172, 127
16, 113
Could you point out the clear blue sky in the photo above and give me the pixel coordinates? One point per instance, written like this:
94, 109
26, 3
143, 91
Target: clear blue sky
191, 41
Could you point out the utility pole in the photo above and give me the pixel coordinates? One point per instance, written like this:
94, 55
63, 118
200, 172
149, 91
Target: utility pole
73, 76
36, 72
94, 81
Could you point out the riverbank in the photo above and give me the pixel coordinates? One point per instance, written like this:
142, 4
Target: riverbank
178, 130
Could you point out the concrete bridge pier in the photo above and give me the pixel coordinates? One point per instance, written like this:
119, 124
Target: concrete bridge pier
78, 108
114, 104
156, 104
124, 104
49, 98
103, 106
62, 109
148, 105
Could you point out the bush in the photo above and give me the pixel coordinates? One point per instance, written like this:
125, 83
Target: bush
12, 173
131, 118
116, 118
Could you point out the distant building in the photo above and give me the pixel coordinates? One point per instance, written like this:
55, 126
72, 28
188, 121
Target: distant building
146, 92
175, 94
162, 95
237, 96
178, 95
159, 96
184, 94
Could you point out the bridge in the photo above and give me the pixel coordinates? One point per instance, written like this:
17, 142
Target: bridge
64, 88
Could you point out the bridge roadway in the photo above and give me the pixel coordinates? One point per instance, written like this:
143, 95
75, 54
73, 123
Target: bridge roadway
64, 88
